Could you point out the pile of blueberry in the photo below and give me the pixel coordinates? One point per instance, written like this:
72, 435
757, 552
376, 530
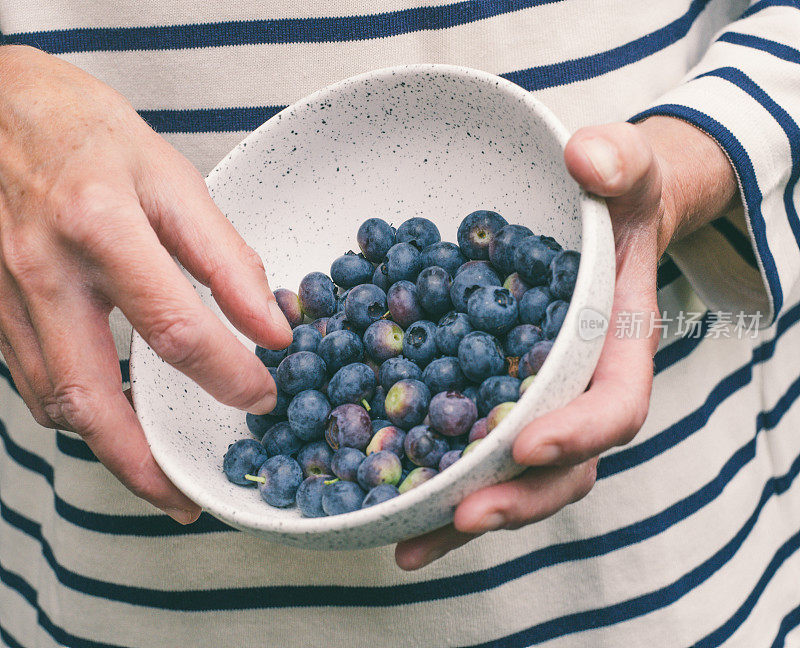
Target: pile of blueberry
414, 351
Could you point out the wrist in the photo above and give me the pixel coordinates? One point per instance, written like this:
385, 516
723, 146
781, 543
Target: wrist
698, 180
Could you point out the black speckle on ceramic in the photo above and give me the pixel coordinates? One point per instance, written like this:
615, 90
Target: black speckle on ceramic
423, 140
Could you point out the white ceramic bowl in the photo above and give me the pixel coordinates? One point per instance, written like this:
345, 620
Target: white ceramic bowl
422, 140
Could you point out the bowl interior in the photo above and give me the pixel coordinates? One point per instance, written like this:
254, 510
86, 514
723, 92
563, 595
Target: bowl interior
433, 141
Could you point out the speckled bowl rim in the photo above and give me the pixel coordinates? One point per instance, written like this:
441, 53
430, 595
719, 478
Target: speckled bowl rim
592, 212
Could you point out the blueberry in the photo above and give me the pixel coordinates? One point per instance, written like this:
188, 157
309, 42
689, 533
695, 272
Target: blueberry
478, 430
317, 295
564, 273
497, 414
468, 281
533, 305
383, 340
554, 318
309, 496
420, 232
450, 331
503, 245
337, 322
365, 304
407, 403
300, 371
282, 477
282, 397
531, 363
493, 310
477, 266
415, 478
523, 387
403, 262
521, 338
345, 463
258, 424
445, 255
396, 369
444, 374
280, 440
342, 497
353, 383
375, 237
516, 286
419, 343
403, 303
269, 357
495, 390
341, 298
433, 291
379, 424
388, 438
381, 467
315, 458
477, 231
304, 338
458, 442
289, 304
481, 356
321, 325
449, 458
380, 277
532, 259
424, 446
452, 413
350, 270
340, 348
377, 404
471, 392
308, 414
380, 494
349, 426
244, 457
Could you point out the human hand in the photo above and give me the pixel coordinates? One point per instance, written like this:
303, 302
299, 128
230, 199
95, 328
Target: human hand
661, 178
92, 205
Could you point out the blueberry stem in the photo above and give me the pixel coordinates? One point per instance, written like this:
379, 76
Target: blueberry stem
260, 480
365, 404
330, 481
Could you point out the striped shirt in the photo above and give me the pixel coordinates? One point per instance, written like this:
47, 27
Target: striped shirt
690, 536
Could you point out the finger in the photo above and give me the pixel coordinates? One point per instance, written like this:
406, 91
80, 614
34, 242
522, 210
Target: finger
191, 226
87, 398
21, 351
138, 275
418, 552
534, 496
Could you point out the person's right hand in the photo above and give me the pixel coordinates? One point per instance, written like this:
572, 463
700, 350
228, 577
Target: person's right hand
92, 204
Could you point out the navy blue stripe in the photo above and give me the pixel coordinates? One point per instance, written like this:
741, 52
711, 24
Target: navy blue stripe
789, 623
747, 175
589, 67
785, 121
9, 639
632, 456
778, 50
667, 273
724, 632
264, 597
274, 31
766, 4
662, 597
6, 373
738, 241
209, 120
73, 447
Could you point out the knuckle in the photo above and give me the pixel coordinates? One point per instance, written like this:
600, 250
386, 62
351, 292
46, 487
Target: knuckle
73, 406
176, 339
634, 415
22, 253
41, 417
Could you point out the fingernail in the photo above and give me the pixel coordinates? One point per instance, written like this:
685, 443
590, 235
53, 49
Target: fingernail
543, 454
491, 522
603, 157
265, 405
181, 516
277, 316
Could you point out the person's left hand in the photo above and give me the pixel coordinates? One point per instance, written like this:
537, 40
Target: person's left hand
651, 175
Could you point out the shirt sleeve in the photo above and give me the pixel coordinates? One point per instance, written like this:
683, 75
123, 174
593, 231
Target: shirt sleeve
745, 93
